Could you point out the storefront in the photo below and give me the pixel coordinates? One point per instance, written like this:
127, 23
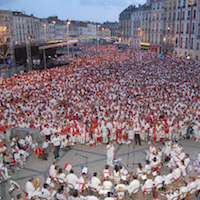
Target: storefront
145, 46
154, 48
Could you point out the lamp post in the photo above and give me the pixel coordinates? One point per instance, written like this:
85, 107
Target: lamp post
68, 23
45, 32
98, 37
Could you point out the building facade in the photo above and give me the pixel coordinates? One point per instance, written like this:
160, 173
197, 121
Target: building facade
163, 26
125, 24
114, 28
187, 38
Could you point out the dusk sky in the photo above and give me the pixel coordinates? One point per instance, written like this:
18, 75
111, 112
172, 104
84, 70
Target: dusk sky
86, 10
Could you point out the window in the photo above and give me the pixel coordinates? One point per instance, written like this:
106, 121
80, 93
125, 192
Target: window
198, 37
192, 43
182, 28
181, 42
161, 38
173, 40
179, 3
188, 14
197, 46
174, 16
183, 16
178, 16
169, 16
183, 2
193, 27
177, 28
190, 2
186, 42
187, 30
194, 14
170, 5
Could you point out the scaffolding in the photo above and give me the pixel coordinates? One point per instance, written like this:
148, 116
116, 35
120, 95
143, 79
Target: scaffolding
28, 52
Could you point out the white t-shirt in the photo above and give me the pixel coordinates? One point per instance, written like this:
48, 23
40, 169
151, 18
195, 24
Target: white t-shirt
110, 150
133, 186
72, 179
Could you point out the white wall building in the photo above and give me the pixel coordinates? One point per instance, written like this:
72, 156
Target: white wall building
25, 27
169, 26
187, 38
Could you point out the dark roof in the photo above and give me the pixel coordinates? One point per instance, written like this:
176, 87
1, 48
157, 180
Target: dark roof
132, 9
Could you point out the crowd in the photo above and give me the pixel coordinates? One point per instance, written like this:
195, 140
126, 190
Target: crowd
109, 95
106, 94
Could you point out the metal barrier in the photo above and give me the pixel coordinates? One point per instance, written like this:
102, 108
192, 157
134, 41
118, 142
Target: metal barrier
35, 133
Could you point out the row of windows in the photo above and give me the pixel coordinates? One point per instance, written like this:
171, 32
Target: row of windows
186, 43
186, 2
183, 15
190, 28
23, 19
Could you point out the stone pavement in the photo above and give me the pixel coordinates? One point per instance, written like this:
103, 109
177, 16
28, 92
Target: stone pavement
95, 157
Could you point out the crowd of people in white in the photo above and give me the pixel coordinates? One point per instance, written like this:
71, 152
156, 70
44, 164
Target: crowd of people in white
106, 94
101, 96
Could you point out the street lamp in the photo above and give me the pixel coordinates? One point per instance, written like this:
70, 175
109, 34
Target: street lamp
45, 31
98, 37
68, 23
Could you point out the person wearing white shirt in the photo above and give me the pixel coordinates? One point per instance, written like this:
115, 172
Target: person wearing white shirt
47, 132
168, 179
46, 145
134, 185
181, 155
71, 179
52, 170
31, 190
56, 141
61, 177
80, 184
91, 197
107, 185
61, 195
95, 182
121, 188
158, 181
110, 153
124, 173
148, 185
176, 173
151, 153
47, 192
183, 190
182, 167
28, 139
147, 168
187, 163
192, 185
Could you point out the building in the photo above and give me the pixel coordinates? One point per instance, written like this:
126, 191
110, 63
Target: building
125, 24
6, 39
163, 26
114, 28
136, 27
25, 27
187, 38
